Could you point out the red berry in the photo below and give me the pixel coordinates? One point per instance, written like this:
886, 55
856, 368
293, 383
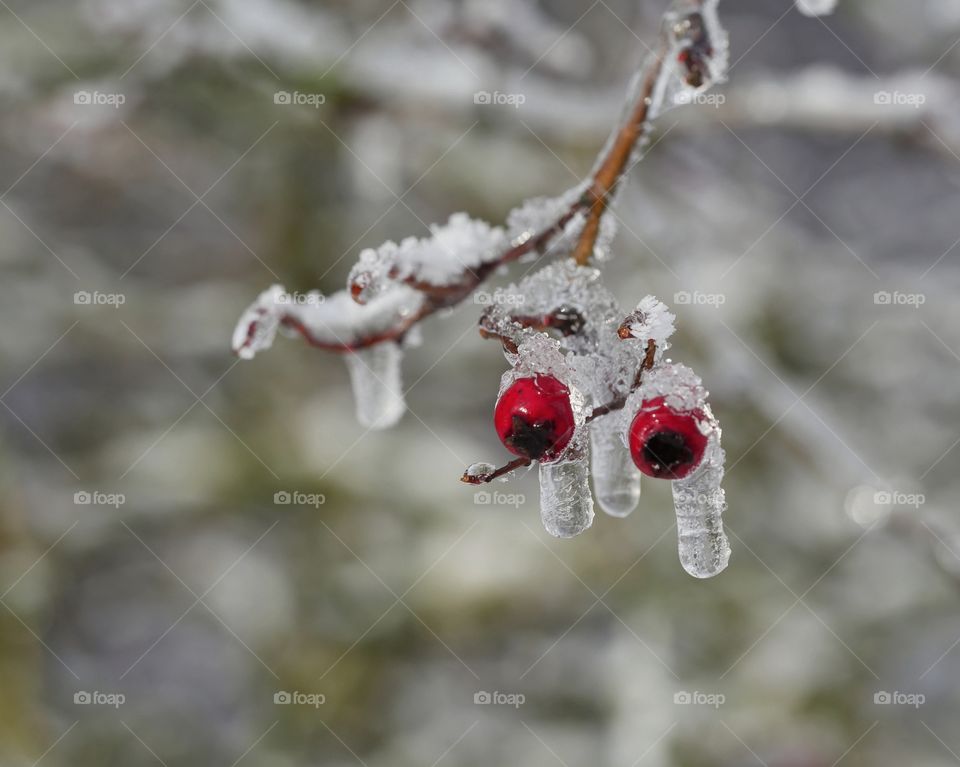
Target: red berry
534, 418
666, 444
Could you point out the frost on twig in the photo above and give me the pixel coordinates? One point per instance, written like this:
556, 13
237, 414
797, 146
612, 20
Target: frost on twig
457, 250
334, 322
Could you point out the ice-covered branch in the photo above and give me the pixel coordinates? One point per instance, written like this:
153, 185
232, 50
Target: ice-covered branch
589, 394
691, 57
434, 273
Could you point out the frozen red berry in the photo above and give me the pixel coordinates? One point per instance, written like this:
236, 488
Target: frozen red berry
666, 444
534, 418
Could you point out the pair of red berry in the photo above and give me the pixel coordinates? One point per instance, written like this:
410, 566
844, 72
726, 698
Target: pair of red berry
534, 419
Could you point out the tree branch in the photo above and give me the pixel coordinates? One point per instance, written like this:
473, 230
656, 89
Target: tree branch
684, 32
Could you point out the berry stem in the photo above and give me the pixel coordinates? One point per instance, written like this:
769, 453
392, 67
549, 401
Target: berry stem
482, 479
394, 334
566, 320
621, 402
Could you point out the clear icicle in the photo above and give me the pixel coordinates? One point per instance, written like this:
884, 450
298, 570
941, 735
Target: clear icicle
616, 481
566, 505
699, 502
377, 388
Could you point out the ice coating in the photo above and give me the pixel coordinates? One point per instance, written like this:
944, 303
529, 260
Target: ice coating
566, 504
461, 245
816, 7
650, 321
334, 320
257, 326
479, 471
616, 481
563, 288
541, 213
377, 388
699, 501
540, 354
694, 30
538, 213
681, 388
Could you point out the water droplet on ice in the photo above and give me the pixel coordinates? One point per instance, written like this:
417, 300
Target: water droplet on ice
566, 505
377, 388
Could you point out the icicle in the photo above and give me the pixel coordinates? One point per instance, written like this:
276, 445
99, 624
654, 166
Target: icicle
616, 481
699, 501
377, 388
566, 505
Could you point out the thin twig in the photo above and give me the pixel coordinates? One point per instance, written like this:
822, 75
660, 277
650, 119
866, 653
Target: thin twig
635, 129
482, 479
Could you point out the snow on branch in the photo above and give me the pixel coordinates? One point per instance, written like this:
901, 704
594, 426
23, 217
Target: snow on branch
394, 287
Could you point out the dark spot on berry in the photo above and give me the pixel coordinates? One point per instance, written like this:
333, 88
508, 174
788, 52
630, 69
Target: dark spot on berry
531, 439
665, 451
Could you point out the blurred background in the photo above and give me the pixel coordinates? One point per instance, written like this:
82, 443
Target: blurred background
159, 606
